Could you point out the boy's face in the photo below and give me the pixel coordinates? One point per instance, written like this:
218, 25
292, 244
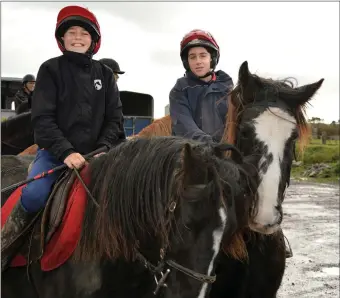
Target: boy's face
77, 39
199, 61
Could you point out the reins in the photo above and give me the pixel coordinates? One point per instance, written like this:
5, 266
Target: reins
49, 172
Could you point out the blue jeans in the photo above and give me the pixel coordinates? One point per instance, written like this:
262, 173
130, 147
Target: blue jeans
35, 194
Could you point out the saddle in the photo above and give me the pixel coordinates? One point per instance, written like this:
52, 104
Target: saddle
56, 204
45, 224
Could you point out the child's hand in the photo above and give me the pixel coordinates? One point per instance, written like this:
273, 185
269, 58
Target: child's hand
75, 160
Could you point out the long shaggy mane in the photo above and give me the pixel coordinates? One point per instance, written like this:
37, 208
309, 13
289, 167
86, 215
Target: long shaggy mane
133, 185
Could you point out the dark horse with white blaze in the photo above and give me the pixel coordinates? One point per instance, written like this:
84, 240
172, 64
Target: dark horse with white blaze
167, 200
269, 119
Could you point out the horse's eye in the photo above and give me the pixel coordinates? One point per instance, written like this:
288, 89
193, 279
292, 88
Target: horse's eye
295, 135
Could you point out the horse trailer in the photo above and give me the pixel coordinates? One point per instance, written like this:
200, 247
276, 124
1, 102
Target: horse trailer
138, 108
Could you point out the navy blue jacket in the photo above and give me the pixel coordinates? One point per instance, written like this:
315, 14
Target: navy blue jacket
198, 109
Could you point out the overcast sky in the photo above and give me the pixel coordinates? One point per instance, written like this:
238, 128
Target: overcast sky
277, 39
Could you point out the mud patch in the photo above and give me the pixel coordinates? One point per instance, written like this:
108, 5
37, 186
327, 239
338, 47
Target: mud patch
311, 224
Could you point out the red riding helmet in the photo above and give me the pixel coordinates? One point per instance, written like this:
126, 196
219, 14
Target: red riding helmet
78, 16
199, 38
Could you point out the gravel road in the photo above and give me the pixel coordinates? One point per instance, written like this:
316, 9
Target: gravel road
311, 224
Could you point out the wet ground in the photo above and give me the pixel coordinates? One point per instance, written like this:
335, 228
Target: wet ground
311, 224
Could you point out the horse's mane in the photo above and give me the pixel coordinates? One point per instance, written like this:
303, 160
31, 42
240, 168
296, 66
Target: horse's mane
133, 185
280, 86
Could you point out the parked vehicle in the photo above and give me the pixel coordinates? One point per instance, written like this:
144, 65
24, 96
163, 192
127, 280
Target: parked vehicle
138, 108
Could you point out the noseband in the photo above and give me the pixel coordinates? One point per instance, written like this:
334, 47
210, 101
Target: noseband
159, 270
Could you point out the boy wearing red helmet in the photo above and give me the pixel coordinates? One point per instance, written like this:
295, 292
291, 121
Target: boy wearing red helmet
75, 110
198, 103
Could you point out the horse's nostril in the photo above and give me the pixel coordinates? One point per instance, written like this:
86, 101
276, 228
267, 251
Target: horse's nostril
278, 208
280, 220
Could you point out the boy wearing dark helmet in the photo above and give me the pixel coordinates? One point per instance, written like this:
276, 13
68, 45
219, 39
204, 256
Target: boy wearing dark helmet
198, 101
75, 109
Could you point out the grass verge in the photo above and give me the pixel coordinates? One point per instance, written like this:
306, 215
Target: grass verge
318, 153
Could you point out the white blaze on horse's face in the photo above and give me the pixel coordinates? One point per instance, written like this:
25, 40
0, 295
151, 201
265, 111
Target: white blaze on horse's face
217, 239
272, 128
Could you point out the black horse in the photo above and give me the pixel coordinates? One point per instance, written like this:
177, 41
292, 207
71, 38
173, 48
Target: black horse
166, 200
270, 120
16, 134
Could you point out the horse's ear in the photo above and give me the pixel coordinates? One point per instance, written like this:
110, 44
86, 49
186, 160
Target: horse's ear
303, 94
244, 74
193, 168
189, 162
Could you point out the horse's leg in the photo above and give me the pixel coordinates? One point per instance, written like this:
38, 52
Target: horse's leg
267, 255
231, 278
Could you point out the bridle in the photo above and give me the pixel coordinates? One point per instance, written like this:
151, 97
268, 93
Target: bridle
160, 269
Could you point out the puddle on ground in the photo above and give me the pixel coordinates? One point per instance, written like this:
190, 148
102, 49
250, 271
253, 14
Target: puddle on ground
331, 270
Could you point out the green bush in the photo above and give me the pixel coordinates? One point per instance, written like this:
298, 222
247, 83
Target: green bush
333, 171
315, 153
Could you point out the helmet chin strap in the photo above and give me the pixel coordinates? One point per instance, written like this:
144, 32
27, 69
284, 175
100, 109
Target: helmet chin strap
89, 52
209, 73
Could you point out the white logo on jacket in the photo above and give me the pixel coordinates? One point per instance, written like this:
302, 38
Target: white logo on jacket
98, 84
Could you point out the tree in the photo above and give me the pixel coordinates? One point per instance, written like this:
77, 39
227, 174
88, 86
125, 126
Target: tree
315, 120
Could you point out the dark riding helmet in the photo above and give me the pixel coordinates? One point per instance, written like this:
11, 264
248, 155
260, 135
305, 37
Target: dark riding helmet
78, 16
199, 38
28, 78
113, 64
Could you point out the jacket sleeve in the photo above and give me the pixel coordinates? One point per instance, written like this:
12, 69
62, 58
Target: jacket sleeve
182, 120
112, 132
44, 112
19, 99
